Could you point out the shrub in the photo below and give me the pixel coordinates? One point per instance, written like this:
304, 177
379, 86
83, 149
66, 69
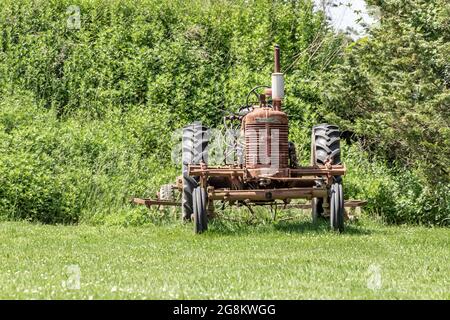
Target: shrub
64, 171
394, 194
86, 115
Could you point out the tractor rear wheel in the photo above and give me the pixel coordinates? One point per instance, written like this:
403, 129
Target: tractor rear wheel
194, 145
325, 148
325, 145
200, 210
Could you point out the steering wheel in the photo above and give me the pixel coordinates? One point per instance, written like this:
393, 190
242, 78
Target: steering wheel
254, 91
248, 107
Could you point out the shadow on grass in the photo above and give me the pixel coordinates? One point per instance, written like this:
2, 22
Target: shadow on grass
220, 227
320, 227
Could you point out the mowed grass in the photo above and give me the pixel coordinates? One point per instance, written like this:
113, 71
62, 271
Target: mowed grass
284, 260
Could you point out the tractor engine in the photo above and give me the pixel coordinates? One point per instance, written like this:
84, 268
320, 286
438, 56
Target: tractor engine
266, 142
266, 132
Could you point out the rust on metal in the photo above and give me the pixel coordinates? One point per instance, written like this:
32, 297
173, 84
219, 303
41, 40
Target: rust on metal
266, 138
262, 101
152, 202
277, 58
276, 105
269, 174
355, 203
268, 92
347, 204
266, 194
334, 170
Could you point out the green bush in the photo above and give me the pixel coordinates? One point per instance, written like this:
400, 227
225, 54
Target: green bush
394, 194
80, 169
392, 90
191, 58
65, 171
87, 115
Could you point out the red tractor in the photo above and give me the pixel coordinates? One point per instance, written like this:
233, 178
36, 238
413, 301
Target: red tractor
268, 172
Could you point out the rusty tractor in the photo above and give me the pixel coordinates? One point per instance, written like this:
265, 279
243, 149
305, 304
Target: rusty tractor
263, 167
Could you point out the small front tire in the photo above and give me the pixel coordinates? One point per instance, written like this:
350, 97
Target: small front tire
337, 207
199, 201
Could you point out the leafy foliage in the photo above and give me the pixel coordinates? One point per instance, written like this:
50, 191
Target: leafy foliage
87, 115
190, 58
65, 171
392, 90
395, 195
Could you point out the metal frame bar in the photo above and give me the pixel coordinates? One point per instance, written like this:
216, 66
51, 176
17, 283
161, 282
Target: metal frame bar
202, 170
266, 194
151, 202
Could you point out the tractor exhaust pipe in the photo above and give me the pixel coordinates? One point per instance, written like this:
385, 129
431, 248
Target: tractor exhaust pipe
277, 81
277, 58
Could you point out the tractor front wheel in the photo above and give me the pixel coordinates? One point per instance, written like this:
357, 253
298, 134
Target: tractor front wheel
337, 207
200, 200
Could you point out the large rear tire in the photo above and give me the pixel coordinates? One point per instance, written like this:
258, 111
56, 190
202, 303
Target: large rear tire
195, 150
325, 148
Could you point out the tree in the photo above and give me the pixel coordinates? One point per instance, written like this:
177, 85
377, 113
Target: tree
392, 91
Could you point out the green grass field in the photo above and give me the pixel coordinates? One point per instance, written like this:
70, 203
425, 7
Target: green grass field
290, 260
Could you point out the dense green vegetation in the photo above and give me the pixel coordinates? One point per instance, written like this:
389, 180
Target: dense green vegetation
392, 90
275, 261
59, 171
86, 115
